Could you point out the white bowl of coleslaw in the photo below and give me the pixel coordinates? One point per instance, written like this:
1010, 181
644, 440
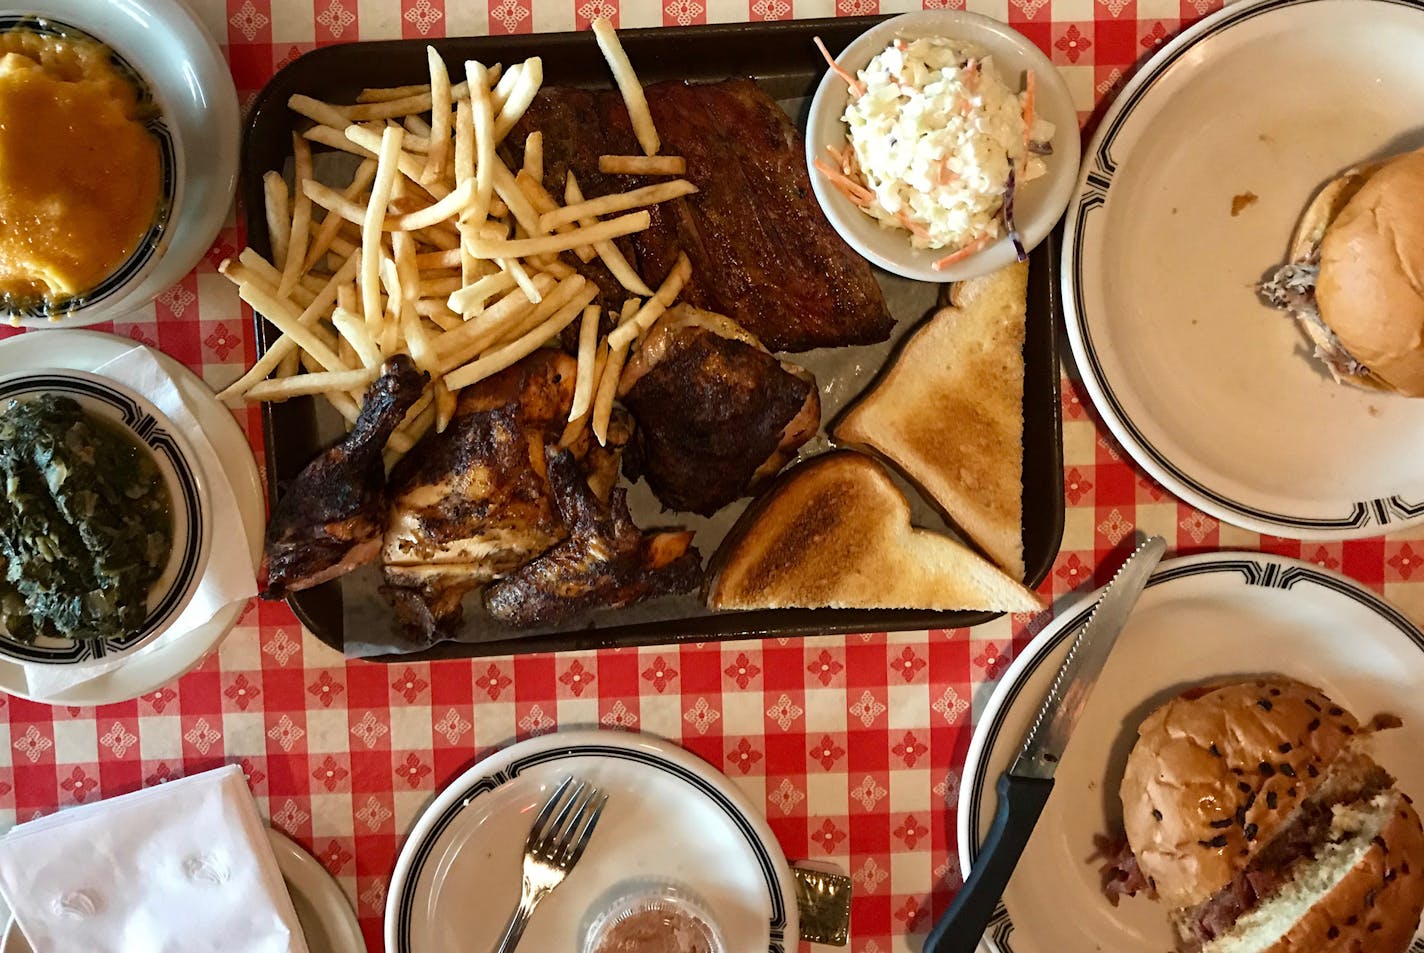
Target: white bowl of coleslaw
943, 146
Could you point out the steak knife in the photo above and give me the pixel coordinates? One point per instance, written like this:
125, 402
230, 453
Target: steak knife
1024, 788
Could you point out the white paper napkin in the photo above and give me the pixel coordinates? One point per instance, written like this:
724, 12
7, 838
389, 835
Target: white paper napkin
228, 576
183, 867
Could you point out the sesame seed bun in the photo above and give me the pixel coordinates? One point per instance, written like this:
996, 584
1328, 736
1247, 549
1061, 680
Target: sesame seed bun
1215, 774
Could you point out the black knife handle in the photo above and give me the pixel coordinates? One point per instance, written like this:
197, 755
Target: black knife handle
1021, 801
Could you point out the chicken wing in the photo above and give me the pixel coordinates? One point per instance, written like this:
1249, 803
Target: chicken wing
330, 519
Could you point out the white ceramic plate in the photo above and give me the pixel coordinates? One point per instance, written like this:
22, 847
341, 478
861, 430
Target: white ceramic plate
1200, 618
1211, 391
669, 815
86, 350
188, 499
1039, 204
166, 45
327, 920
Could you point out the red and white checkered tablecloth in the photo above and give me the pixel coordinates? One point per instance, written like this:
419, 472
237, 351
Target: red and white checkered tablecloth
852, 745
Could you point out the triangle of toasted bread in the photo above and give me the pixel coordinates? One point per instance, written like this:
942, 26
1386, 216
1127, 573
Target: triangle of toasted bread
836, 533
949, 413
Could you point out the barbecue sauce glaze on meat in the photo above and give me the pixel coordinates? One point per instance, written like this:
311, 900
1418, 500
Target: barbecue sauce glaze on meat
762, 251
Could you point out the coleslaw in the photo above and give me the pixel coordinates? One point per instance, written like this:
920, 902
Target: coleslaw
937, 144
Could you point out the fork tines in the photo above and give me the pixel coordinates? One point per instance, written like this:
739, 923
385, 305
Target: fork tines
564, 826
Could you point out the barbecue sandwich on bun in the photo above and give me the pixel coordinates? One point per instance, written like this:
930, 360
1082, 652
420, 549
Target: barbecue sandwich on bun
1255, 813
1355, 279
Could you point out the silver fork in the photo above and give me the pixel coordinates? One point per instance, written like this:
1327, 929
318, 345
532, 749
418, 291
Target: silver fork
555, 844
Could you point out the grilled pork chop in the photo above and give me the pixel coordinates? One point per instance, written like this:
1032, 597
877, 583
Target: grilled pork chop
716, 413
474, 503
332, 515
606, 562
762, 251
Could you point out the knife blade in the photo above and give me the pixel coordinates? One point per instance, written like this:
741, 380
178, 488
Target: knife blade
1024, 788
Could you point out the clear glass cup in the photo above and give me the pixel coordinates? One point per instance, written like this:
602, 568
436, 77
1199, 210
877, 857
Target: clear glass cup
652, 916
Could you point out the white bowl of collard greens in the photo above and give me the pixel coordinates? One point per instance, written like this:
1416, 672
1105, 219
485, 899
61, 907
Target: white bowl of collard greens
104, 525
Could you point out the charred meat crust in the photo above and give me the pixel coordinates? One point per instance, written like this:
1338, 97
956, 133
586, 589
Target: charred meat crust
711, 413
762, 251
606, 561
332, 514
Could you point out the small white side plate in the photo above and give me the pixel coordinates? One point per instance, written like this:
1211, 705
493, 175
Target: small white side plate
1201, 618
1211, 391
326, 917
86, 350
669, 815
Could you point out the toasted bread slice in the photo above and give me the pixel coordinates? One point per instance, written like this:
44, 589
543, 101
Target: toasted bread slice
836, 533
949, 413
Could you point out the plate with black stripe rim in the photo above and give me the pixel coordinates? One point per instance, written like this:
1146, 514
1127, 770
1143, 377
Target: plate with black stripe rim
1201, 618
1187, 197
670, 816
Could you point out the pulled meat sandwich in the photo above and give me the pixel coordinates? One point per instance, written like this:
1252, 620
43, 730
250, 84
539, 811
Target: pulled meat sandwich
1355, 279
1254, 812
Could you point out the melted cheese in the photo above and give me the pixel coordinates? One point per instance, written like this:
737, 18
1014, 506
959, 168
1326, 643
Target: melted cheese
80, 175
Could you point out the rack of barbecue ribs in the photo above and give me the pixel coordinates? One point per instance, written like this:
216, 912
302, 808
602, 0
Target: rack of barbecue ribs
331, 517
761, 249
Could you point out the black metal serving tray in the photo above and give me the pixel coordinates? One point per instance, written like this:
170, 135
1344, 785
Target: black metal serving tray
782, 58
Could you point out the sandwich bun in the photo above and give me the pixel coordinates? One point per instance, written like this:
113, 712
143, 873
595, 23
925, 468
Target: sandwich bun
1370, 290
1182, 781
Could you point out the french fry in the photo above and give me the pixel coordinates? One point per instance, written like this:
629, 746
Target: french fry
515, 269
304, 385
444, 406
552, 244
531, 77
286, 319
553, 303
607, 251
607, 386
300, 234
618, 202
515, 351
318, 111
653, 308
508, 188
387, 160
628, 85
352, 328
279, 216
335, 138
465, 342
268, 362
440, 105
410, 166
471, 298
330, 227
534, 155
574, 427
432, 215
386, 94
482, 129
642, 165
543, 202
587, 351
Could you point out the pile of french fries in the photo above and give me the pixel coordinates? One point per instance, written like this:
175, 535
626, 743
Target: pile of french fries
435, 248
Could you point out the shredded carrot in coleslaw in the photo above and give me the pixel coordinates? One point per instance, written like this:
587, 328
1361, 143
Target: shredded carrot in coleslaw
856, 88
963, 253
851, 189
1030, 84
